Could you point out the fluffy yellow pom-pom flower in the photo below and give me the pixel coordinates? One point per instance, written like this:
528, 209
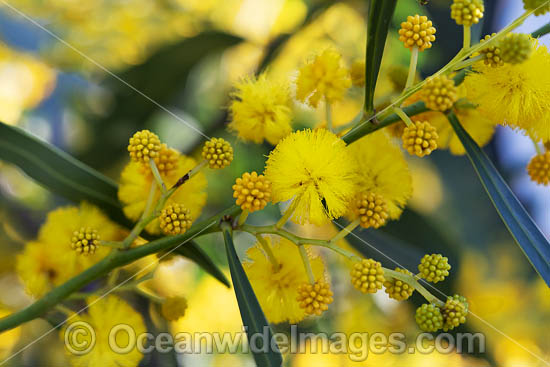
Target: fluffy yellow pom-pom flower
277, 286
385, 174
439, 93
322, 77
420, 138
313, 168
136, 181
103, 316
417, 31
367, 276
371, 209
315, 298
175, 219
85, 241
252, 191
218, 153
515, 94
173, 308
143, 146
467, 12
261, 110
539, 169
48, 261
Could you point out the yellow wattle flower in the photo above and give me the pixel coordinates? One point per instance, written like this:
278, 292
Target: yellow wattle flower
277, 289
103, 315
516, 95
322, 77
383, 170
315, 170
50, 261
261, 110
136, 181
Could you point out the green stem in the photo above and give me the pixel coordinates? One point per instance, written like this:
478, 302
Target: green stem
269, 252
466, 63
296, 239
288, 213
411, 280
242, 217
545, 29
112, 244
148, 295
412, 68
467, 37
112, 261
345, 231
63, 309
307, 264
406, 119
156, 175
537, 147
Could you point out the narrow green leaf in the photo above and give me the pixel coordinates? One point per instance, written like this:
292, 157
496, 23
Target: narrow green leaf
526, 233
380, 14
60, 173
251, 313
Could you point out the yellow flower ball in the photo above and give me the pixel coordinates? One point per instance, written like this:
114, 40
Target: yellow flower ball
420, 138
173, 308
252, 191
367, 276
492, 53
85, 241
439, 93
417, 31
143, 146
539, 169
398, 289
218, 153
467, 12
371, 209
315, 298
175, 219
322, 77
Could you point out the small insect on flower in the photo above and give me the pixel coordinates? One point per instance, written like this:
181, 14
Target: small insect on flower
417, 31
322, 77
261, 110
315, 170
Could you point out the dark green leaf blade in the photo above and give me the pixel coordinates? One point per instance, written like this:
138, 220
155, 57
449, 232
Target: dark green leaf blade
525, 232
59, 172
380, 14
251, 312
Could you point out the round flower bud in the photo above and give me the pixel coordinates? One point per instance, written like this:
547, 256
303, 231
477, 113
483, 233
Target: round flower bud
492, 53
143, 146
218, 152
314, 298
539, 169
420, 138
252, 191
166, 160
434, 268
173, 308
467, 12
454, 312
371, 209
357, 73
429, 318
515, 48
175, 219
398, 289
367, 276
534, 4
85, 241
439, 93
418, 32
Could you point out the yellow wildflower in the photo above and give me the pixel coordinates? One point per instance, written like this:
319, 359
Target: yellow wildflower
261, 110
104, 316
316, 171
277, 289
515, 95
49, 261
136, 181
383, 171
322, 77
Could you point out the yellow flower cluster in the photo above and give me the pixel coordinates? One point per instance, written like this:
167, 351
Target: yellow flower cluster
492, 54
420, 138
439, 93
417, 31
367, 276
467, 12
218, 153
371, 209
175, 219
314, 298
252, 191
539, 168
398, 289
